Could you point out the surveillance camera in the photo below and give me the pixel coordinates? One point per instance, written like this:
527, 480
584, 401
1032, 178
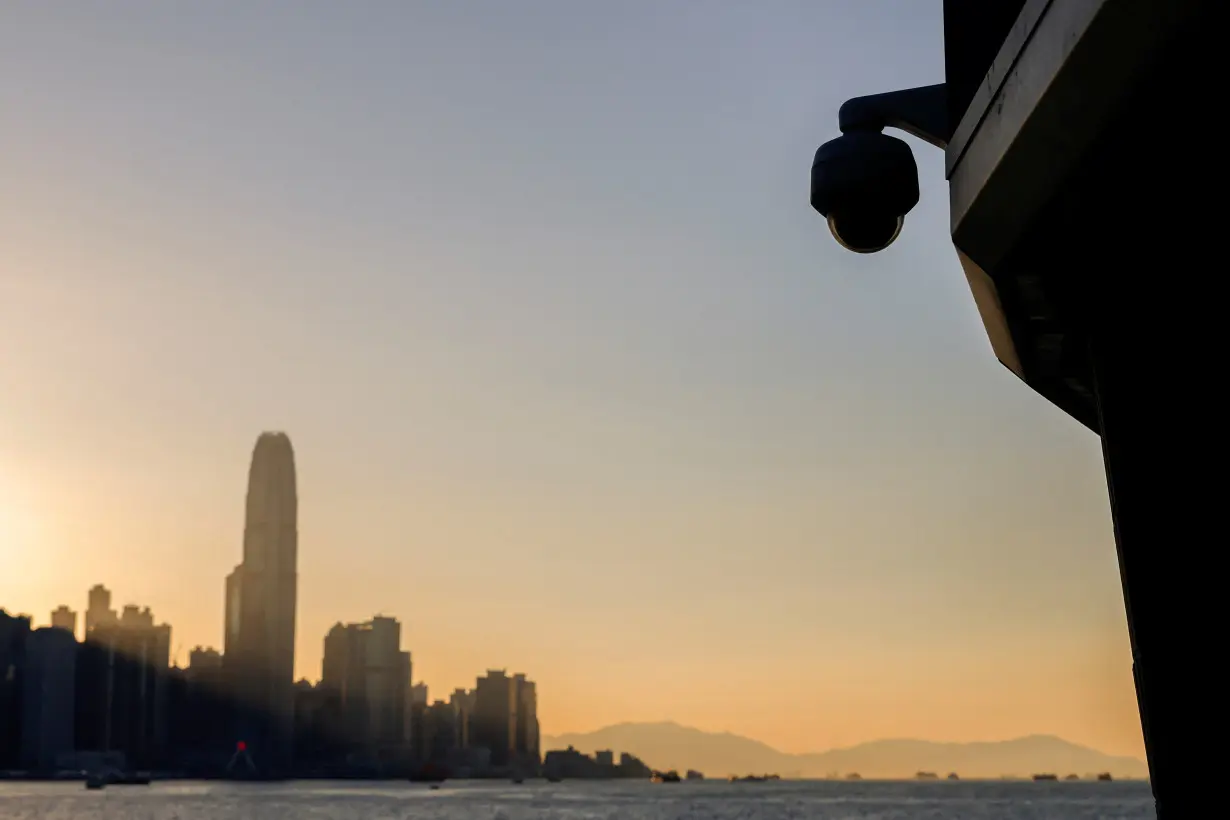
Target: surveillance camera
864, 183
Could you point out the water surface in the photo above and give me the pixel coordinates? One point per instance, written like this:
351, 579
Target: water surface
576, 800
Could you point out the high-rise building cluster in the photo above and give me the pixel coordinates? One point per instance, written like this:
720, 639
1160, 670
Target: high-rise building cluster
100, 702
114, 699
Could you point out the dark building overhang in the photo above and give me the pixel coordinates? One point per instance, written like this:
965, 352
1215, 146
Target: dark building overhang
1066, 73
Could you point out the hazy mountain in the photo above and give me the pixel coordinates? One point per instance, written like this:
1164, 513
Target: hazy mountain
671, 746
1020, 757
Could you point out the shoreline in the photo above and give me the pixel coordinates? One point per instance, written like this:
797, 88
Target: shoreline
171, 777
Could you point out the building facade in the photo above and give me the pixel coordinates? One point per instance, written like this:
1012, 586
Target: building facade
462, 701
200, 711
64, 618
365, 676
48, 698
122, 681
261, 598
98, 611
14, 631
525, 743
493, 723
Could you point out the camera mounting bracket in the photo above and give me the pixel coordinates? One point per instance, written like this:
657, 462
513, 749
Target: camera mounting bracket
920, 112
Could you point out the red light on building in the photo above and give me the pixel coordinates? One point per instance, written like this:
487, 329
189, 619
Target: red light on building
241, 746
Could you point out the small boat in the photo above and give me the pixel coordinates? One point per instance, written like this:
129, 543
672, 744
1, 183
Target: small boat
434, 786
518, 780
1043, 778
666, 777
1105, 777
95, 781
954, 776
551, 778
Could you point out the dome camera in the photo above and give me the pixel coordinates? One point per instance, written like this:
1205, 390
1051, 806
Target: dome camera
864, 183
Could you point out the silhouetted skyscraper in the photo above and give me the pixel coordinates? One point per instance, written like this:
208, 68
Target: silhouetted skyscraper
344, 684
385, 678
364, 680
48, 697
202, 736
416, 707
493, 723
526, 740
462, 702
14, 631
64, 618
122, 672
99, 611
260, 606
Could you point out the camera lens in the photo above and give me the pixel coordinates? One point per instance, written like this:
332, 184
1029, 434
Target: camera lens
865, 232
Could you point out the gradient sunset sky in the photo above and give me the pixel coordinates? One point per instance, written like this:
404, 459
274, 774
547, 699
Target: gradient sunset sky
579, 385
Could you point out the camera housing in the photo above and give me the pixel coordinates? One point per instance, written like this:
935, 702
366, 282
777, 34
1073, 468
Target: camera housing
864, 183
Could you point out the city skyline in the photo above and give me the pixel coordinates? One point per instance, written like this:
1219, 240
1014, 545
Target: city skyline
113, 700
272, 494
372, 651
578, 381
119, 691
342, 632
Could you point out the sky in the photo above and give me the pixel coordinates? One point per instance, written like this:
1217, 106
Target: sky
578, 383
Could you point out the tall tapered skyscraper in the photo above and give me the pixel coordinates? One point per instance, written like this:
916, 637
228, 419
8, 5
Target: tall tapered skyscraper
260, 607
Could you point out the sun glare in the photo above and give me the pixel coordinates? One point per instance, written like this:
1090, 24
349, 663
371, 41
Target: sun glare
15, 524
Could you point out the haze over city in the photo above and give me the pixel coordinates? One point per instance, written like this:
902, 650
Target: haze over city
578, 384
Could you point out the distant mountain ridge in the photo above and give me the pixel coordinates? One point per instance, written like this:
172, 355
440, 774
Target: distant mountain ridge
668, 745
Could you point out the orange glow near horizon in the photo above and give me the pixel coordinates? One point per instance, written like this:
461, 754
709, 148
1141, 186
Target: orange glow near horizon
815, 681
